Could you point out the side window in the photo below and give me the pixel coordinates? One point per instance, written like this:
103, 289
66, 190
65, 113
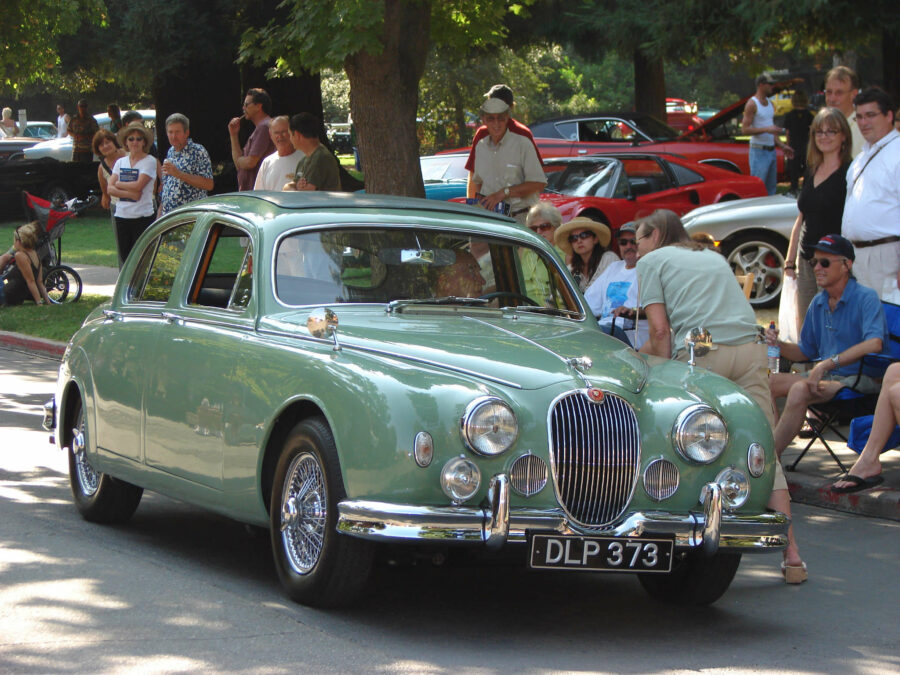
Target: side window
225, 276
685, 176
568, 130
155, 274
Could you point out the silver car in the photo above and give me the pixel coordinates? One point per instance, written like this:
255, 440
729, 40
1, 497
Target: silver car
61, 148
753, 234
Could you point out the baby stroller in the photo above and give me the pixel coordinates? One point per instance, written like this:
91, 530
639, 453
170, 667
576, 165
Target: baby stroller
63, 284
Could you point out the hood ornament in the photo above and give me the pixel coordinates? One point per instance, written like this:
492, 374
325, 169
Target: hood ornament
580, 363
699, 342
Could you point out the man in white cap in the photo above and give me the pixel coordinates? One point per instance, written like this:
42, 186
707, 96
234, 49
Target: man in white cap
507, 167
759, 123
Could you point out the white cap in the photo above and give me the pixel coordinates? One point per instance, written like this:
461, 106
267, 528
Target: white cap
493, 106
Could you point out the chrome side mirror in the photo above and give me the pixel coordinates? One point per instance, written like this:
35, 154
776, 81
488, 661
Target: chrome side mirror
699, 342
322, 322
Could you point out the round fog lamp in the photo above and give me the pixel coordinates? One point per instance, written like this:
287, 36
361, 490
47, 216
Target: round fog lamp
489, 426
756, 460
735, 487
460, 479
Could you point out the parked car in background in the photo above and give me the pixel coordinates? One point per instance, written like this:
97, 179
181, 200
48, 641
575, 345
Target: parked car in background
754, 235
61, 148
357, 371
682, 115
41, 130
15, 146
616, 188
445, 176
48, 178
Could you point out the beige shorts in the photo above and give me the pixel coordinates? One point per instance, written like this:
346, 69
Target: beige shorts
780, 482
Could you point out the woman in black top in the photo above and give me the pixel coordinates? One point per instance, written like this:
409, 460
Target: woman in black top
20, 269
821, 201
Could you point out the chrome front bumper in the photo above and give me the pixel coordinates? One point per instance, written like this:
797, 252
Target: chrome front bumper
495, 524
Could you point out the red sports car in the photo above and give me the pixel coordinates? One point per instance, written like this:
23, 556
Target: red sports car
616, 188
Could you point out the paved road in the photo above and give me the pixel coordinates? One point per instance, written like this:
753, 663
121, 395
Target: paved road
180, 590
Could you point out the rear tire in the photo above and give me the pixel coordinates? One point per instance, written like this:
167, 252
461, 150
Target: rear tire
99, 497
316, 565
55, 192
695, 581
63, 284
761, 255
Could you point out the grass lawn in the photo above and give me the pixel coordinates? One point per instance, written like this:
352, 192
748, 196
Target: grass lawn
53, 322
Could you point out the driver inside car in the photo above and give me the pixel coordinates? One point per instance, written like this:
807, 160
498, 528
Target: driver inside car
462, 279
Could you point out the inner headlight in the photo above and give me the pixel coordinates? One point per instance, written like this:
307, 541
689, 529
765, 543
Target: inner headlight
700, 434
489, 426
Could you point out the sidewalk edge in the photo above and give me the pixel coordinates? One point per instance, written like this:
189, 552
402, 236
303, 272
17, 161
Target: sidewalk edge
880, 502
32, 344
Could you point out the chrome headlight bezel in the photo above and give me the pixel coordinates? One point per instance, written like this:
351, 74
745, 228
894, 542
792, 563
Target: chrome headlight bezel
686, 435
474, 422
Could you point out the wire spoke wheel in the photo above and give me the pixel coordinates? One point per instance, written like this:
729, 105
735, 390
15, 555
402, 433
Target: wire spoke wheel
304, 511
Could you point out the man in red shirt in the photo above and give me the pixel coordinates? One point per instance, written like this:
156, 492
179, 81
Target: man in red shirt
505, 94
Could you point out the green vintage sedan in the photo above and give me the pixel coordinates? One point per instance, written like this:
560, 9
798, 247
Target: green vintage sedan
354, 372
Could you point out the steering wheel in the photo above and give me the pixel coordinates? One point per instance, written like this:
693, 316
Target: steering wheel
508, 294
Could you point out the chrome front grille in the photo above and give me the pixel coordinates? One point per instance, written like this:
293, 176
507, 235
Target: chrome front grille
594, 454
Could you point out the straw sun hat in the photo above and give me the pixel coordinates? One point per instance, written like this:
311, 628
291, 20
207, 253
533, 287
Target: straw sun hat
125, 132
581, 223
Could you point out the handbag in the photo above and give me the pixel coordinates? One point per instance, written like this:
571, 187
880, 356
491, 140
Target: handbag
788, 311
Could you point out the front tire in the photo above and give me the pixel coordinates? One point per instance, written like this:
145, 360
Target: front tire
761, 255
695, 581
99, 497
316, 565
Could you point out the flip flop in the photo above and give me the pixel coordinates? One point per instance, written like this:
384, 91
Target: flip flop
794, 574
858, 484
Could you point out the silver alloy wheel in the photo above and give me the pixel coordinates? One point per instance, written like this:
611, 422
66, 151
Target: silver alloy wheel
765, 262
304, 510
88, 478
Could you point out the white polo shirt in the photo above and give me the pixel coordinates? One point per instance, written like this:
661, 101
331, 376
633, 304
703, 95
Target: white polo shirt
275, 171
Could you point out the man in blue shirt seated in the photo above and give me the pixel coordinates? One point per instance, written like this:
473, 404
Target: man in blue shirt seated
844, 322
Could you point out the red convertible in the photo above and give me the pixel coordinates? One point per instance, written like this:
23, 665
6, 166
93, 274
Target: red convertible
619, 187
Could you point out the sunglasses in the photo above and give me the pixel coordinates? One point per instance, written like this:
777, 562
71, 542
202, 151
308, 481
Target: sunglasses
824, 262
581, 235
627, 242
541, 227
131, 139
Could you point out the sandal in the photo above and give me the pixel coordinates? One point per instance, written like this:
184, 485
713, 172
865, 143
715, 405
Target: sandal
794, 574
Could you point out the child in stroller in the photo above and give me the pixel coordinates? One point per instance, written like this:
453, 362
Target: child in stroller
21, 274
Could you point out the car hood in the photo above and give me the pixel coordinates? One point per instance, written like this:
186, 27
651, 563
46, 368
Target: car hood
528, 352
761, 208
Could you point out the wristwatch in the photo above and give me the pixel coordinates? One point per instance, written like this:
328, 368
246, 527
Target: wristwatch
506, 191
835, 359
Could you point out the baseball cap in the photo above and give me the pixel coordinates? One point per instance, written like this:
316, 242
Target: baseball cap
836, 245
630, 226
493, 106
765, 78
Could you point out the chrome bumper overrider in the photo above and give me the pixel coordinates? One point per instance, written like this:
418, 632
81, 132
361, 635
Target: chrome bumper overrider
496, 524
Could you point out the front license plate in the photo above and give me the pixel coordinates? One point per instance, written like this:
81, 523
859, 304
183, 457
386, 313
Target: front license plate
601, 554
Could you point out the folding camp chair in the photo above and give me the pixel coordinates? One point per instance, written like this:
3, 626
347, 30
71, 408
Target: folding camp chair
849, 403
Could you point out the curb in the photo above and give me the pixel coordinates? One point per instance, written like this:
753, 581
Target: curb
32, 344
880, 502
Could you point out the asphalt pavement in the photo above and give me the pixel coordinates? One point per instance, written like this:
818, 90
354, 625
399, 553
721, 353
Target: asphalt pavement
809, 484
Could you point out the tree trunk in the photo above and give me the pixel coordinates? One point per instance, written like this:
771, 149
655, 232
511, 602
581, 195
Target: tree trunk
890, 67
649, 85
384, 95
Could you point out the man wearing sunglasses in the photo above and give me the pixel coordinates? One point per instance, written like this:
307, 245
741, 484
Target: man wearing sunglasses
613, 297
844, 322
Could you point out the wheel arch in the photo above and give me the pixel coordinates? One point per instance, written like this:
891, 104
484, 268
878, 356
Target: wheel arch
287, 419
725, 164
764, 233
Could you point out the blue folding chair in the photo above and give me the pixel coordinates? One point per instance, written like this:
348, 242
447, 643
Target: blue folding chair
849, 403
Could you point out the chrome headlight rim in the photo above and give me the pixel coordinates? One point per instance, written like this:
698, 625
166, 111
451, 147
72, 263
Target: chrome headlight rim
680, 429
728, 503
475, 407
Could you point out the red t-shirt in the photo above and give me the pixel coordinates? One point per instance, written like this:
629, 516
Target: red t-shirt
513, 126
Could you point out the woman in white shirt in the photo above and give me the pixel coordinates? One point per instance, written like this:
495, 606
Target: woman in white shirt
132, 183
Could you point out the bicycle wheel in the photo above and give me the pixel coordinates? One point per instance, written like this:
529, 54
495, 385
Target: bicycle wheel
63, 284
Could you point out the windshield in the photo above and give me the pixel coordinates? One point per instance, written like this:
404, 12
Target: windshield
408, 264
440, 168
583, 179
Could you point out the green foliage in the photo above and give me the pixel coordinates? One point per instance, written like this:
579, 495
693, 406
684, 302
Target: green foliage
335, 95
51, 322
31, 31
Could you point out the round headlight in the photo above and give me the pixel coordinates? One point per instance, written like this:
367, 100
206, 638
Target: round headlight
735, 487
700, 434
460, 479
756, 460
489, 426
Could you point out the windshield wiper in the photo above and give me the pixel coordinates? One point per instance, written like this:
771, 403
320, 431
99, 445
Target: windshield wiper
447, 300
546, 310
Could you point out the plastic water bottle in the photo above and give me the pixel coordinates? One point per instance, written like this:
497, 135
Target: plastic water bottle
773, 352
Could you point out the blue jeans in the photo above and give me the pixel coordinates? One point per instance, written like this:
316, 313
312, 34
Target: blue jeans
763, 165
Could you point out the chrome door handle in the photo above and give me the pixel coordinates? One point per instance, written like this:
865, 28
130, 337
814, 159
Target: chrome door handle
112, 315
173, 319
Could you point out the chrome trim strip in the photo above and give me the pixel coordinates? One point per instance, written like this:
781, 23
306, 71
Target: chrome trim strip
395, 355
382, 521
217, 323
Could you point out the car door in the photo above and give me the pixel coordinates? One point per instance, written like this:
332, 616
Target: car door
652, 186
195, 390
127, 343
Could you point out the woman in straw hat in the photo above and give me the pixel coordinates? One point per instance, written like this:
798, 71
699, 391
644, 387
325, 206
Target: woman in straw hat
584, 242
132, 181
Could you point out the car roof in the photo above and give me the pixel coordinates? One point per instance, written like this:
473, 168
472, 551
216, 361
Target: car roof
628, 115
